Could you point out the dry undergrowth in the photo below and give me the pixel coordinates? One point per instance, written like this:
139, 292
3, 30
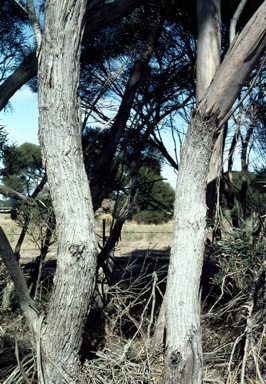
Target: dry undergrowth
120, 348
124, 352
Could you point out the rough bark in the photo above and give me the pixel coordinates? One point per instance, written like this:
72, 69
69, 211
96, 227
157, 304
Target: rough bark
60, 139
183, 356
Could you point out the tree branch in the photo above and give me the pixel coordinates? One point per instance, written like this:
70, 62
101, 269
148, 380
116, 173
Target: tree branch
108, 13
22, 235
209, 44
34, 22
160, 146
21, 6
232, 111
25, 72
123, 113
96, 19
21, 290
8, 192
236, 67
234, 20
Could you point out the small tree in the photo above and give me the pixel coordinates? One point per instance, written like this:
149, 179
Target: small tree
154, 200
22, 167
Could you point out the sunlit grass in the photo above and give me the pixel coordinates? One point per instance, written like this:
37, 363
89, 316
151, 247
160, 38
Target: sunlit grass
139, 236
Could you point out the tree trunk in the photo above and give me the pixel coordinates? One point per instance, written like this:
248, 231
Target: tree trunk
60, 139
183, 355
208, 63
209, 44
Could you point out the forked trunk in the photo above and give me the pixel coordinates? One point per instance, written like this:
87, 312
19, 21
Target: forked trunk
183, 355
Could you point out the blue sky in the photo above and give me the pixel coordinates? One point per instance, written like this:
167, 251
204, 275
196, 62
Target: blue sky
22, 125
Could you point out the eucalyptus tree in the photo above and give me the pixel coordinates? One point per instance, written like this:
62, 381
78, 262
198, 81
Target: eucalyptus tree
99, 13
22, 167
57, 334
57, 338
218, 86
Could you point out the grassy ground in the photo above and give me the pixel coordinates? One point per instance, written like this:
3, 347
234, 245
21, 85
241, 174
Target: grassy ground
134, 236
224, 324
12, 230
140, 236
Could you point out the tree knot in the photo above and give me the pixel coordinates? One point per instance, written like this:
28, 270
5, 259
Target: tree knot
175, 357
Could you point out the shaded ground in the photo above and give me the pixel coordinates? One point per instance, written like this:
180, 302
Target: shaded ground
122, 320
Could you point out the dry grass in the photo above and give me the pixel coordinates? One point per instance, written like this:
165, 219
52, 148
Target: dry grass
134, 236
12, 230
140, 236
30, 247
131, 360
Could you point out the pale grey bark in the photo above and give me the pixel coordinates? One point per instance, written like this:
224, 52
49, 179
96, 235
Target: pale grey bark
60, 139
237, 65
209, 44
183, 355
34, 22
229, 82
9, 192
232, 32
208, 63
57, 337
